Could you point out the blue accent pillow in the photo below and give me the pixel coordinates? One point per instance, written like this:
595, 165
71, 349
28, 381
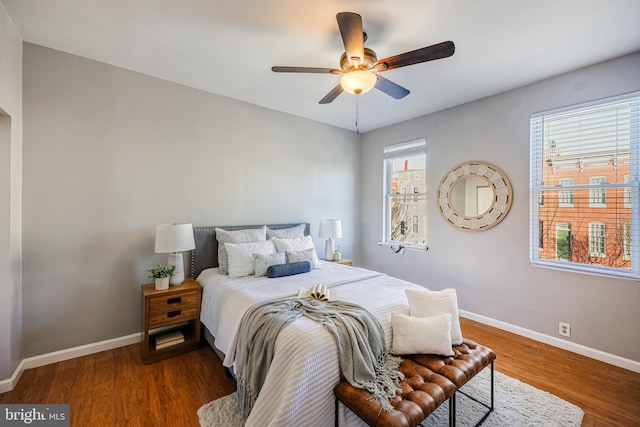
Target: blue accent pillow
289, 269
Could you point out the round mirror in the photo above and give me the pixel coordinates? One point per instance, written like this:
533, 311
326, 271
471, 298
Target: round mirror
474, 196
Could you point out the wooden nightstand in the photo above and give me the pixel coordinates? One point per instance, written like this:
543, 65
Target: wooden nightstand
168, 311
344, 262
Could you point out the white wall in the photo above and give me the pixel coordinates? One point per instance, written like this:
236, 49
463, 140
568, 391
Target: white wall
490, 269
110, 153
10, 195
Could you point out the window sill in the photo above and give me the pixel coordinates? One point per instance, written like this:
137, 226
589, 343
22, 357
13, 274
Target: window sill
567, 266
398, 246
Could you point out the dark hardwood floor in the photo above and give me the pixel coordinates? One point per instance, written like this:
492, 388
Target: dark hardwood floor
113, 388
609, 396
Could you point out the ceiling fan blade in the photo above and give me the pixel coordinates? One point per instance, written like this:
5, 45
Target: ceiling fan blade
350, 25
306, 70
429, 53
332, 95
392, 89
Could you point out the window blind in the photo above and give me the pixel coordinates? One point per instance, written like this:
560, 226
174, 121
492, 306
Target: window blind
584, 187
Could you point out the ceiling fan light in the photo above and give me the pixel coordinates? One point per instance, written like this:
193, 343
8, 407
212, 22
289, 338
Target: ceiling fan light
358, 81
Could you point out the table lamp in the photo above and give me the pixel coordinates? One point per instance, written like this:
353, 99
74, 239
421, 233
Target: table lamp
175, 239
330, 229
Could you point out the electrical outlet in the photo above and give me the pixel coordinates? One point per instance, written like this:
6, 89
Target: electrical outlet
564, 329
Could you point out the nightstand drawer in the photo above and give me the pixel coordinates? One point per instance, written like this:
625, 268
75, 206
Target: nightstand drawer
165, 302
169, 317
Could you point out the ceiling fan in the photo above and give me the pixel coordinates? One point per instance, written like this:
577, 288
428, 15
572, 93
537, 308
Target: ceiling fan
359, 65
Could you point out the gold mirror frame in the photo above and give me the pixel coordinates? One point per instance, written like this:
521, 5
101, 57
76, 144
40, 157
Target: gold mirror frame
502, 196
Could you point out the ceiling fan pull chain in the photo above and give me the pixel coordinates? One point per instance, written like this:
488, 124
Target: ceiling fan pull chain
357, 114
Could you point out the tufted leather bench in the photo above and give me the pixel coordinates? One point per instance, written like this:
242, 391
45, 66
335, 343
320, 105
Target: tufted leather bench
429, 381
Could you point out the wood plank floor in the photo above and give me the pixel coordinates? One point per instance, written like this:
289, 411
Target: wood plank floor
113, 388
609, 396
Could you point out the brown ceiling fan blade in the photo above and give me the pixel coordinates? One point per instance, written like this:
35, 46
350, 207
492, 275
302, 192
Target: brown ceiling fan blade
332, 95
317, 70
350, 25
392, 89
429, 53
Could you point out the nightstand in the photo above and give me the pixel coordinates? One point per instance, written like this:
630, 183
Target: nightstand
170, 320
344, 262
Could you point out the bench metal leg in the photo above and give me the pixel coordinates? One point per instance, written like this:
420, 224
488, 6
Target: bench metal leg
452, 404
491, 408
452, 411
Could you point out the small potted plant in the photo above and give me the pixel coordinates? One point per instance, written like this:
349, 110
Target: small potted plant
160, 274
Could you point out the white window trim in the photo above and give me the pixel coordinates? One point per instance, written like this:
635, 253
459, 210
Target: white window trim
417, 146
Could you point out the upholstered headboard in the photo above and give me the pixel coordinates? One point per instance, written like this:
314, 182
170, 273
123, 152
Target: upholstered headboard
205, 255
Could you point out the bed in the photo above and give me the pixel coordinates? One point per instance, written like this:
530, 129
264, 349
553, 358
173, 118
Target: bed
298, 389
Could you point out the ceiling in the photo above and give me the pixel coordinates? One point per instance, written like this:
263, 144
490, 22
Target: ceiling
228, 47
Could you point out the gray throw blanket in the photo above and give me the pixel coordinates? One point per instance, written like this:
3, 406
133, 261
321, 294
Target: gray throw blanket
364, 361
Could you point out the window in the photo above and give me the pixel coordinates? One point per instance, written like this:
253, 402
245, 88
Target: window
404, 215
628, 194
597, 239
597, 194
627, 241
584, 166
566, 196
563, 242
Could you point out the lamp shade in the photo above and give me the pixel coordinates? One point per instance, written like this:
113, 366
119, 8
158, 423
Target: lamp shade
174, 238
358, 81
330, 228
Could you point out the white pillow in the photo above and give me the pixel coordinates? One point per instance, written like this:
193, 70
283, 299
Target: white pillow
295, 245
264, 261
421, 335
426, 304
241, 260
287, 233
236, 236
306, 255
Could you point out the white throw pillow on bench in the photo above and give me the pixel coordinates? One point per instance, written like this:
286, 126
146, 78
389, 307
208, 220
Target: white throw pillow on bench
421, 335
428, 304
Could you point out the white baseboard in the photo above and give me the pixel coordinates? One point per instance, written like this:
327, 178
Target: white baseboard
602, 356
70, 353
9, 384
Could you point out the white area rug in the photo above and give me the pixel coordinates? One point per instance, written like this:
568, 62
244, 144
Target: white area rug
516, 404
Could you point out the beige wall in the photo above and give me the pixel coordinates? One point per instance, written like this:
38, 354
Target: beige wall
490, 269
10, 196
110, 153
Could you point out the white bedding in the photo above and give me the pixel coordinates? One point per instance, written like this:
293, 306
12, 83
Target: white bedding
299, 386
